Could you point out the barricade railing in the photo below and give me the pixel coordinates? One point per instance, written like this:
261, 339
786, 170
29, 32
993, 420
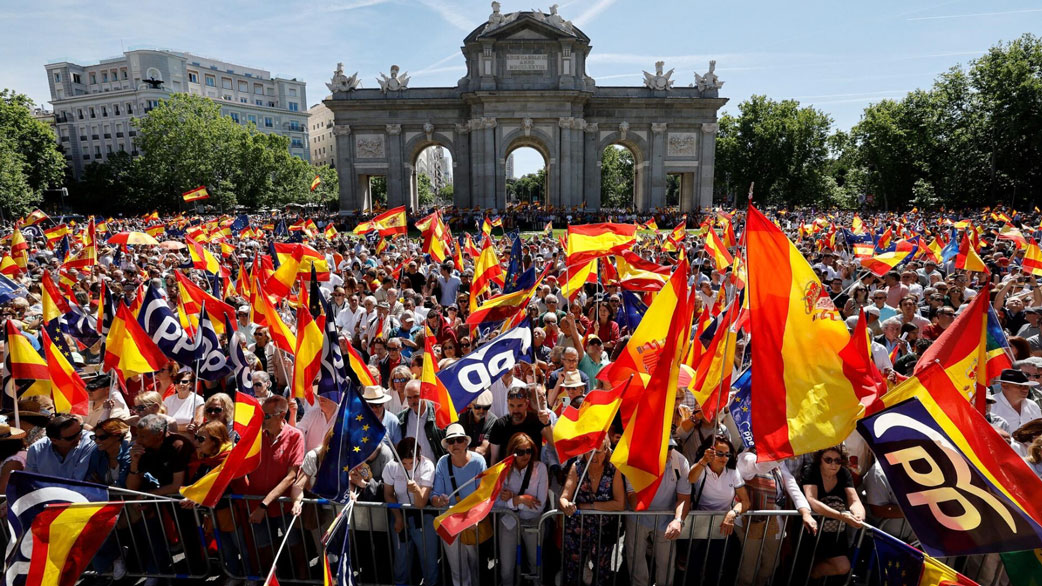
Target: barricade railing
397, 544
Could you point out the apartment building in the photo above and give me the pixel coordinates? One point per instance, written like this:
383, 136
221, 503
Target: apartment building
94, 104
320, 131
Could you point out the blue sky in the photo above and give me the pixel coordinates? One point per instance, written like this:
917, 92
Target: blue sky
836, 55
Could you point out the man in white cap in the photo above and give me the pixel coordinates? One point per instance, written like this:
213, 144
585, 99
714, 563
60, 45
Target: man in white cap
377, 399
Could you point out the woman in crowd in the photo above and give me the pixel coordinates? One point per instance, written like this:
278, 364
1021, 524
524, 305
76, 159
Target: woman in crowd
591, 538
523, 492
150, 403
410, 483
396, 387
606, 328
220, 408
452, 477
716, 486
113, 441
829, 488
213, 444
185, 405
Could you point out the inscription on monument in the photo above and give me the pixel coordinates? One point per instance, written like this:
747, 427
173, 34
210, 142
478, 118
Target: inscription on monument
526, 62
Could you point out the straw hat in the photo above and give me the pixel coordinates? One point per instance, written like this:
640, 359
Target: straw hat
10, 433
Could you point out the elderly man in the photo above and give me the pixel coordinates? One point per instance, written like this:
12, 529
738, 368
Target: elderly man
891, 337
66, 452
477, 423
418, 421
377, 400
1013, 404
569, 363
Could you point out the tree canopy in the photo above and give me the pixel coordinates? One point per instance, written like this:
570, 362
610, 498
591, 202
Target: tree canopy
29, 157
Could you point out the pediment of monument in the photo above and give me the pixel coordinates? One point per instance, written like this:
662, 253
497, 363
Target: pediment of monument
527, 26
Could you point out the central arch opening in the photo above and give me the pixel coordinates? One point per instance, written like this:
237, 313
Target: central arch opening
431, 182
621, 187
526, 176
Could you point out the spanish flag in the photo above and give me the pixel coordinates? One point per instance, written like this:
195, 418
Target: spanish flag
195, 297
967, 258
265, 314
19, 249
330, 232
578, 431
881, 264
309, 257
638, 274
486, 269
358, 366
53, 303
432, 389
476, 506
574, 278
195, 194
242, 459
391, 222
716, 250
1032, 258
589, 241
803, 400
316, 182
9, 267
202, 258
641, 453
66, 537
35, 218
307, 358
470, 248
25, 363
67, 388
128, 348
716, 365
435, 237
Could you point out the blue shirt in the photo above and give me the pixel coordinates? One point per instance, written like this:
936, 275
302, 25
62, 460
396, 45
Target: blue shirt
394, 429
443, 481
43, 459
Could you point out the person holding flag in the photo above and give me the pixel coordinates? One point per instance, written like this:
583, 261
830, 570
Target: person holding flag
453, 482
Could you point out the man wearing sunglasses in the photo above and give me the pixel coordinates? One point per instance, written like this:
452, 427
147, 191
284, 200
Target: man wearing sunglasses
477, 423
66, 451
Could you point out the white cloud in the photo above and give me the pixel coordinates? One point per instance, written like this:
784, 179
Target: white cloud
451, 13
976, 14
592, 12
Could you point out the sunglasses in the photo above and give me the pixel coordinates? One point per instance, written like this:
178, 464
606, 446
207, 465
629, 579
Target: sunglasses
465, 344
202, 438
399, 380
67, 438
829, 460
523, 452
457, 440
214, 410
481, 407
268, 416
720, 454
143, 408
184, 382
100, 437
520, 395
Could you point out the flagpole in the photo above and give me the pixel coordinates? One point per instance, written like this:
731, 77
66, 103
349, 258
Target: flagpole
416, 437
289, 531
104, 503
579, 484
727, 339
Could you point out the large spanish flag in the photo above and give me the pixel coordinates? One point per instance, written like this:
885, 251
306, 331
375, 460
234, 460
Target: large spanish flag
19, 249
578, 431
476, 506
309, 257
486, 269
967, 257
265, 314
1033, 258
25, 363
128, 348
358, 366
641, 453
242, 459
66, 539
883, 263
716, 250
307, 359
589, 241
431, 387
802, 400
195, 297
638, 274
391, 222
196, 194
67, 388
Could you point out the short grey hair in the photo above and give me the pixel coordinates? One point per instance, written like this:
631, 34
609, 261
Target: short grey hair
260, 376
1030, 361
570, 350
154, 423
892, 321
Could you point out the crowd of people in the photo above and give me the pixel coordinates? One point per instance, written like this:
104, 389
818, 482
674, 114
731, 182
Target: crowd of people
158, 432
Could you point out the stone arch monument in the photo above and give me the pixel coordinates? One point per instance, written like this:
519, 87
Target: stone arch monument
526, 85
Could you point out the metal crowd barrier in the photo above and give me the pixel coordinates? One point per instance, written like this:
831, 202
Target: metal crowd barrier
594, 548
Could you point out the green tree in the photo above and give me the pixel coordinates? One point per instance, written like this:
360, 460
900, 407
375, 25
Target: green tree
447, 193
780, 146
530, 187
378, 189
424, 191
31, 159
617, 177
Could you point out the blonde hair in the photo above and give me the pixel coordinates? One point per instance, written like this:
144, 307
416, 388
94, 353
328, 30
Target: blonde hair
225, 402
151, 398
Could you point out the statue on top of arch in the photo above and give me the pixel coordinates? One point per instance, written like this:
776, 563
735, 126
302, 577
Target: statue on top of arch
709, 81
395, 82
497, 18
658, 80
553, 19
343, 83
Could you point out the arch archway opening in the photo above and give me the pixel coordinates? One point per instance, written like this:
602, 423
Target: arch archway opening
621, 184
526, 176
432, 177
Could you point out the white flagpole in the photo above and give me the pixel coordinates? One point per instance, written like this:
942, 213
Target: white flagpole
274, 562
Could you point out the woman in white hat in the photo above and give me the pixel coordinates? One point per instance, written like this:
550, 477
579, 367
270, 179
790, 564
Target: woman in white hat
452, 476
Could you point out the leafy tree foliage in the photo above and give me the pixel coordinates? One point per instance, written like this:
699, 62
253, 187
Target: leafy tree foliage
530, 187
617, 177
29, 157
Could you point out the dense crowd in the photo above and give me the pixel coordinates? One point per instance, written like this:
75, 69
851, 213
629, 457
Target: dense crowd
158, 432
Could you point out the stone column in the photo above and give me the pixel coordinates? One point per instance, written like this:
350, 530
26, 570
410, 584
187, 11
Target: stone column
706, 160
461, 161
345, 168
488, 165
564, 149
657, 159
397, 182
591, 167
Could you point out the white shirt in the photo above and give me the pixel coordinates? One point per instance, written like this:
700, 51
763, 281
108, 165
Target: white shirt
183, 410
718, 491
314, 426
347, 318
1029, 411
537, 487
409, 430
748, 467
500, 390
397, 477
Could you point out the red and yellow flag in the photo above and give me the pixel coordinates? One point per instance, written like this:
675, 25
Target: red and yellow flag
196, 194
128, 348
307, 359
67, 388
486, 269
967, 257
242, 459
803, 400
476, 506
578, 431
265, 314
589, 241
25, 363
715, 366
358, 366
195, 297
1032, 258
431, 387
316, 182
716, 250
641, 453
19, 249
66, 539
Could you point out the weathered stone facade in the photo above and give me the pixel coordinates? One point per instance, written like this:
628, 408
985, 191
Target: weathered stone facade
526, 85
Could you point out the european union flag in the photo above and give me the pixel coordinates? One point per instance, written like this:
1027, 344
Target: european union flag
357, 433
632, 309
62, 252
280, 228
899, 564
240, 223
514, 268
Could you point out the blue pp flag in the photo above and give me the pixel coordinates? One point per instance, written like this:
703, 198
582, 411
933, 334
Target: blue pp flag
241, 371
472, 374
209, 355
9, 290
357, 433
81, 326
160, 323
333, 376
740, 407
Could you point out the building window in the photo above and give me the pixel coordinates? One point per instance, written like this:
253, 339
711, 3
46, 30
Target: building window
193, 77
92, 113
211, 81
293, 92
235, 117
93, 78
252, 118
293, 107
97, 150
75, 78
57, 77
104, 112
115, 109
258, 89
244, 100
228, 97
108, 149
104, 76
124, 72
271, 104
130, 108
122, 148
226, 83
268, 123
259, 102
79, 113
244, 87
